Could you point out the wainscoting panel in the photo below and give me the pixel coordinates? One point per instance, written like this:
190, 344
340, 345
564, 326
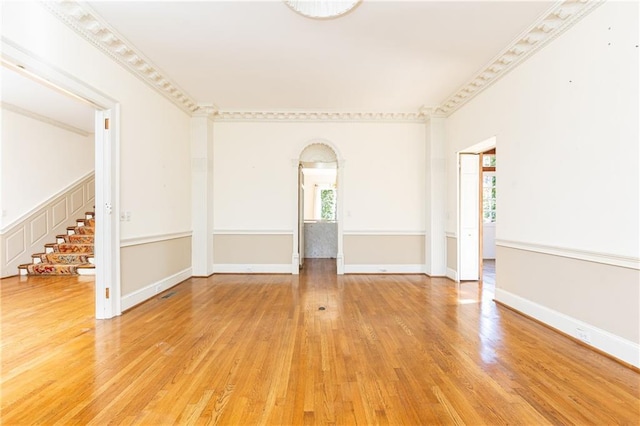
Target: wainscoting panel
77, 200
29, 233
384, 253
592, 301
39, 227
152, 267
59, 212
252, 249
16, 244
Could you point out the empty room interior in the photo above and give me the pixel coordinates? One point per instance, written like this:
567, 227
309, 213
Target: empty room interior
320, 212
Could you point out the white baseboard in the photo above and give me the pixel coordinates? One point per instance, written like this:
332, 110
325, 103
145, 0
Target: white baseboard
605, 341
452, 274
243, 268
132, 299
385, 269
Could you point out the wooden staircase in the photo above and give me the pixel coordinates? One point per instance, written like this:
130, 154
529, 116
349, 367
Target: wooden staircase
71, 254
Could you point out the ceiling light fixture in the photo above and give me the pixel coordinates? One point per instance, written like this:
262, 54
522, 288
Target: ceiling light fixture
322, 9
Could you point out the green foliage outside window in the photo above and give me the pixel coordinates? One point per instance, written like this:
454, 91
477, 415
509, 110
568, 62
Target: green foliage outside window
328, 203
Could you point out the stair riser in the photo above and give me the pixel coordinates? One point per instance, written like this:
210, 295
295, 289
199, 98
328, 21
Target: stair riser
72, 254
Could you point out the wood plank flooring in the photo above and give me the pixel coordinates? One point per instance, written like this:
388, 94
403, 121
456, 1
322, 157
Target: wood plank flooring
259, 349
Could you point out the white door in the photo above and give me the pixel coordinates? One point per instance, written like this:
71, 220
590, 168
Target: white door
469, 232
107, 241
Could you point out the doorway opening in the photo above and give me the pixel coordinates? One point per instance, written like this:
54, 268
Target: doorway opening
318, 231
477, 211
487, 256
106, 133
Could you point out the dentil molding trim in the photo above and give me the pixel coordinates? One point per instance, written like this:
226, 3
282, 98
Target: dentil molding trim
410, 117
550, 25
88, 24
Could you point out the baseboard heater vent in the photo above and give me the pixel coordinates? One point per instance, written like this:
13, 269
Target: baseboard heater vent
168, 295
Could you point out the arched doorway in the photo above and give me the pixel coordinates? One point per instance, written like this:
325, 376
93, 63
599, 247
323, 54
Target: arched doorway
319, 189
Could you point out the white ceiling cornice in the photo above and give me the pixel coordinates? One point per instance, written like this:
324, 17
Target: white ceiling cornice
551, 24
410, 117
88, 24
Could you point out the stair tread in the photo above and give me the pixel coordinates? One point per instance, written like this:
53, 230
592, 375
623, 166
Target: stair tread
83, 231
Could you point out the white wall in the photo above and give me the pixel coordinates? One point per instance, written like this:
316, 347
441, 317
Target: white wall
383, 174
38, 160
155, 166
488, 240
566, 123
154, 134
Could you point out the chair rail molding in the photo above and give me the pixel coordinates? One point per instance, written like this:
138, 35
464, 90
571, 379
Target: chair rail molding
589, 256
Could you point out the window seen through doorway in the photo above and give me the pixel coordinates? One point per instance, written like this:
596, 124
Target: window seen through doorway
489, 197
489, 188
328, 204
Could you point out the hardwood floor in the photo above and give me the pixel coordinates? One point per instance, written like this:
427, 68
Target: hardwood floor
259, 349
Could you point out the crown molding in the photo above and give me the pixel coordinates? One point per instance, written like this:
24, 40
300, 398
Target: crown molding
562, 16
44, 119
321, 116
90, 26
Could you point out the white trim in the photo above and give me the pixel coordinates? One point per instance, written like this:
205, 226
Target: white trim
132, 299
321, 116
553, 22
44, 119
245, 268
90, 26
449, 234
452, 274
378, 232
252, 232
385, 269
72, 186
107, 170
589, 256
605, 341
136, 241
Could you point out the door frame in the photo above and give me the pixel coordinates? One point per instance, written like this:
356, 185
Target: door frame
107, 168
295, 256
477, 149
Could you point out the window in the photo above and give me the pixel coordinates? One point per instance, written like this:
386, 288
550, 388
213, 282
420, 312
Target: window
488, 160
328, 204
489, 197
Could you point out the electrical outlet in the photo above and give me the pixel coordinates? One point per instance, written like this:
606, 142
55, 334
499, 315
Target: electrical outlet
583, 335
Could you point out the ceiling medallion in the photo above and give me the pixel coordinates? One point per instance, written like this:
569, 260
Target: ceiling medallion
322, 9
